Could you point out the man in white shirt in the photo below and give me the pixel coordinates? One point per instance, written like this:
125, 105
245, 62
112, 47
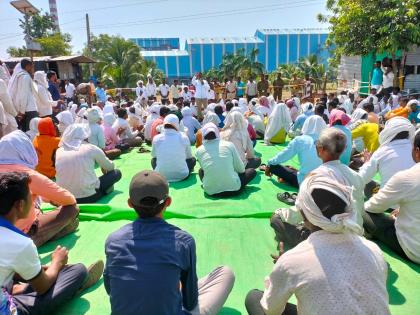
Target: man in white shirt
372, 98
44, 100
334, 271
141, 93
23, 93
164, 92
123, 129
201, 92
400, 231
388, 81
251, 89
393, 154
150, 89
175, 92
19, 256
186, 94
70, 89
171, 152
222, 171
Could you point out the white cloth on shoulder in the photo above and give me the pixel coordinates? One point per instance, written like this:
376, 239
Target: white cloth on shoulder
279, 119
17, 148
74, 136
313, 125
393, 127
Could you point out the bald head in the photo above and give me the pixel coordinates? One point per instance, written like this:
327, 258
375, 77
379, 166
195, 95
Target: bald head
331, 142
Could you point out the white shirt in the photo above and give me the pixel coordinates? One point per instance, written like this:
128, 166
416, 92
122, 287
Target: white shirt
251, 88
211, 95
395, 101
329, 274
164, 90
236, 139
221, 164
18, 255
140, 91
127, 133
171, 150
367, 99
186, 96
150, 89
201, 89
387, 160
388, 80
174, 91
4, 73
25, 100
70, 90
403, 189
44, 101
76, 169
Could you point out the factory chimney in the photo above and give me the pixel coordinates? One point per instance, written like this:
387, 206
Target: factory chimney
54, 14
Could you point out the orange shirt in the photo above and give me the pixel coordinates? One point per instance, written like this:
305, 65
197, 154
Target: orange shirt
45, 147
198, 138
40, 186
156, 124
401, 111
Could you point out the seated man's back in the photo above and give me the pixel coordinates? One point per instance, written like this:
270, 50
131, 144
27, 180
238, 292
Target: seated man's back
332, 274
147, 261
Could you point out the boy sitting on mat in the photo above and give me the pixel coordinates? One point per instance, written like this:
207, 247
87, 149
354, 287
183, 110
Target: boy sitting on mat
27, 287
334, 271
151, 264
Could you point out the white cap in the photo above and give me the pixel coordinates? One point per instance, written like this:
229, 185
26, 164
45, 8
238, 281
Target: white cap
173, 120
210, 127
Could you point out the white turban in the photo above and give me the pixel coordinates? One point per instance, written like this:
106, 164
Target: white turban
210, 127
339, 223
393, 127
313, 125
74, 135
278, 119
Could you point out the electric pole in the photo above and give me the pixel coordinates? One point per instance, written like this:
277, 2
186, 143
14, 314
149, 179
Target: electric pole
89, 43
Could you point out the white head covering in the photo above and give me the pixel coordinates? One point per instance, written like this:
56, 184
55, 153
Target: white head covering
73, 136
81, 115
243, 105
307, 107
109, 119
65, 118
93, 115
211, 107
17, 148
73, 109
279, 119
358, 114
40, 77
313, 126
108, 108
393, 127
33, 128
210, 127
211, 117
235, 124
339, 223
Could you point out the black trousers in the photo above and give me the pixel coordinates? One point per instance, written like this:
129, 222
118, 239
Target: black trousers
289, 175
253, 163
69, 281
289, 234
24, 123
250, 97
381, 226
107, 181
253, 306
190, 163
245, 178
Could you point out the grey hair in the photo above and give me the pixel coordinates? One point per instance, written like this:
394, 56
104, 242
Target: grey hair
333, 141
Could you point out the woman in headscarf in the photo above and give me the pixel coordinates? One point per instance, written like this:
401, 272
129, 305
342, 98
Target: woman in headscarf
304, 147
294, 111
222, 171
367, 131
45, 144
17, 154
112, 141
278, 125
236, 131
65, 119
329, 238
33, 128
339, 119
210, 117
191, 123
264, 106
255, 118
308, 110
81, 118
44, 100
75, 166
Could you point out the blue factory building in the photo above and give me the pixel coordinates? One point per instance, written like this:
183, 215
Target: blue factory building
276, 47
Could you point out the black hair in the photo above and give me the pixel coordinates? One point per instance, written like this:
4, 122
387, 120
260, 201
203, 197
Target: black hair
401, 135
417, 141
229, 106
50, 74
132, 110
164, 111
329, 203
121, 112
98, 82
186, 104
342, 109
343, 93
149, 207
13, 187
25, 62
369, 107
210, 136
319, 109
405, 100
218, 110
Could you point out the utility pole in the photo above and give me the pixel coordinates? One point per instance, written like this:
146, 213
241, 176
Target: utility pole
89, 44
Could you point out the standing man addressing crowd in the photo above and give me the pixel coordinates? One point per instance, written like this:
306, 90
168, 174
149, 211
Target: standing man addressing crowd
201, 90
151, 264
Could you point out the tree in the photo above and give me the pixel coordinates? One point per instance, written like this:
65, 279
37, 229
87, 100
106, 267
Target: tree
41, 28
360, 27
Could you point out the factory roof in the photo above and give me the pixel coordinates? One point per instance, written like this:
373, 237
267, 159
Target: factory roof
224, 40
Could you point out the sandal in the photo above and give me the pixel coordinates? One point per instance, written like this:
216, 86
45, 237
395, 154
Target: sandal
262, 167
287, 198
143, 150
